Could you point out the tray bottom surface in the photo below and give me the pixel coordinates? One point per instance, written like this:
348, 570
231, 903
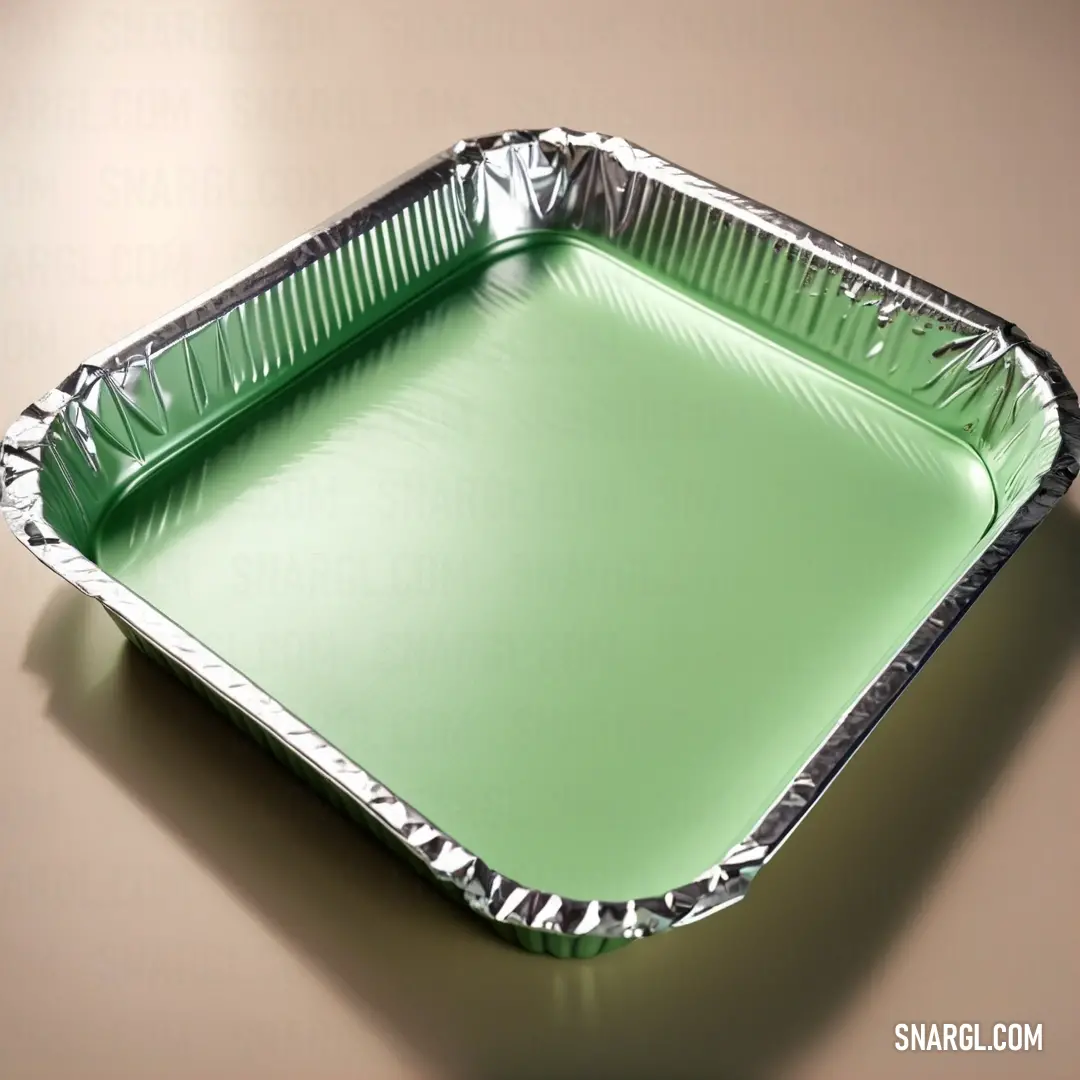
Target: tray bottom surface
579, 568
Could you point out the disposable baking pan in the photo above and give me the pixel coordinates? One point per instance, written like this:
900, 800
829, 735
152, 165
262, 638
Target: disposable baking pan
561, 515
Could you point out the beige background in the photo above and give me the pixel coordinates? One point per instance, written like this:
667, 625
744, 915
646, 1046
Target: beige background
173, 905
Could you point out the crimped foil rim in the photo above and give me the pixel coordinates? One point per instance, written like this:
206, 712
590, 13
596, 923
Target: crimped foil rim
487, 892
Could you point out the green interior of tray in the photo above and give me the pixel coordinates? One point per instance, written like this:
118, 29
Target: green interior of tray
578, 567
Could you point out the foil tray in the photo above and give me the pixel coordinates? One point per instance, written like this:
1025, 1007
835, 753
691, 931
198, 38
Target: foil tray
563, 517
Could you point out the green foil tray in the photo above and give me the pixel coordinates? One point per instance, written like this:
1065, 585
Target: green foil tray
560, 515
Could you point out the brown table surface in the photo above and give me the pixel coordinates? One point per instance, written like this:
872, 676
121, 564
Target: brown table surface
174, 905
